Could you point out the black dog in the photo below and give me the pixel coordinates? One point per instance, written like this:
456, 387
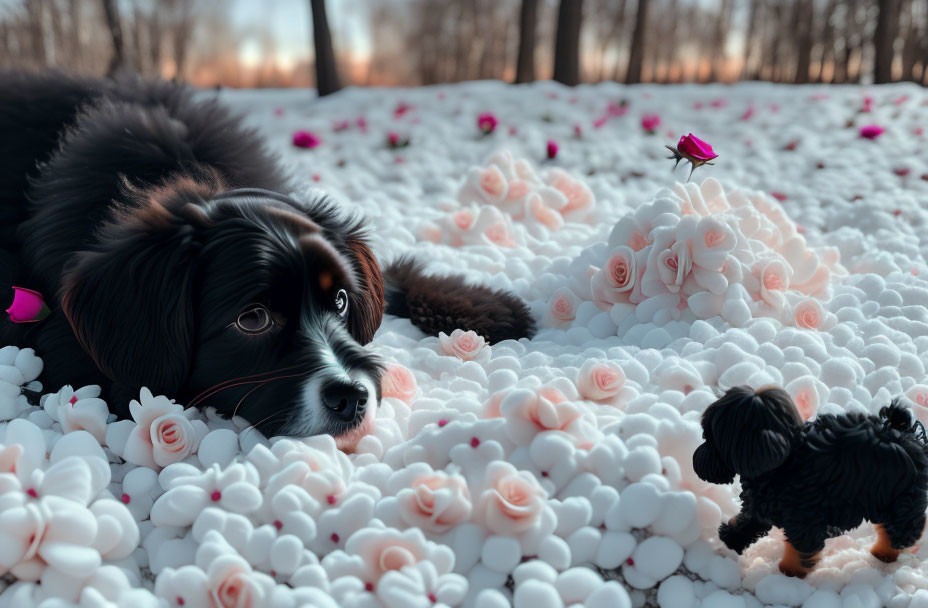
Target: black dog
815, 480
157, 228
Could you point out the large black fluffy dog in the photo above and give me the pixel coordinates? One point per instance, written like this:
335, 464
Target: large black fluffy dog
815, 480
159, 230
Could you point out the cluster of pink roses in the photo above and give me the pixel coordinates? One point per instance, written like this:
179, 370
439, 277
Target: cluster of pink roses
507, 190
700, 252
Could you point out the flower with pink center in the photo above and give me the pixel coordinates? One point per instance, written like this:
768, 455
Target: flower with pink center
80, 410
612, 283
918, 395
386, 549
493, 184
651, 123
498, 234
562, 307
465, 345
232, 585
512, 501
435, 503
808, 314
774, 282
542, 213
398, 382
530, 412
600, 380
871, 131
463, 219
668, 268
579, 196
162, 434
487, 122
306, 139
808, 393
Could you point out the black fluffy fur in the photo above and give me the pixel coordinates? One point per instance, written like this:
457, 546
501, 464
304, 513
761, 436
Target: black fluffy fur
438, 304
818, 479
115, 204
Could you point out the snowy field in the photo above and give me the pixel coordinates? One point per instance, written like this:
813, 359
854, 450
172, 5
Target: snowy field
555, 471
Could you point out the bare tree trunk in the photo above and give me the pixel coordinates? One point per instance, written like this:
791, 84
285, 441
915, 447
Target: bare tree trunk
525, 65
326, 72
636, 54
37, 32
803, 28
721, 34
883, 38
567, 43
112, 22
749, 40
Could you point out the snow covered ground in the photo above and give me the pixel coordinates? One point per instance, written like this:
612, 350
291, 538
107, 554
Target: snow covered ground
549, 472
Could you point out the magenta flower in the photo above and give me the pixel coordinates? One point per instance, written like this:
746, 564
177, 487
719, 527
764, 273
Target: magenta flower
871, 131
693, 149
306, 139
868, 104
650, 123
487, 122
395, 140
28, 306
362, 124
401, 109
617, 109
552, 148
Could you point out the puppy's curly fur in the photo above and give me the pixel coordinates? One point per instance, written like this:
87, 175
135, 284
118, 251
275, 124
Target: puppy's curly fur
818, 479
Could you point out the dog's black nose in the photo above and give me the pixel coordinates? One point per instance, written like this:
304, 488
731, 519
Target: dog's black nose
345, 400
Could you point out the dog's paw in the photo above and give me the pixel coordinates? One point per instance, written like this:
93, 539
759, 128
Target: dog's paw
728, 536
792, 569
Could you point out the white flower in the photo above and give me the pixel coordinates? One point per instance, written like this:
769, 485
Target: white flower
234, 489
79, 410
162, 435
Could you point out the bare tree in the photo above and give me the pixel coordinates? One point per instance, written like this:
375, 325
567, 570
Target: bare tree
803, 13
567, 42
883, 39
636, 54
525, 65
113, 23
326, 73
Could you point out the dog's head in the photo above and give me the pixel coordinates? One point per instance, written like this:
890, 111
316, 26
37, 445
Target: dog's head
747, 433
247, 301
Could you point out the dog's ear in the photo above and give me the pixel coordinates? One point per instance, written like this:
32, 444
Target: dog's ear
366, 304
765, 425
130, 299
709, 466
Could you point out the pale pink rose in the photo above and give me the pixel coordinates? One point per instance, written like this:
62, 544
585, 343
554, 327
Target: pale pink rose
398, 382
638, 241
528, 413
512, 501
918, 395
173, 438
807, 393
544, 214
383, 550
620, 269
231, 585
808, 314
600, 380
517, 189
463, 219
774, 281
562, 307
435, 502
579, 196
493, 184
673, 265
161, 433
630, 233
498, 234
465, 345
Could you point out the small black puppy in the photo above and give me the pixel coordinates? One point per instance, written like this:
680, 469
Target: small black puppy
160, 233
815, 480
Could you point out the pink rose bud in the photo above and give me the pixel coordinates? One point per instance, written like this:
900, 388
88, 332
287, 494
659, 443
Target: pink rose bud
487, 122
394, 140
552, 148
693, 149
28, 306
868, 104
871, 131
305, 139
650, 123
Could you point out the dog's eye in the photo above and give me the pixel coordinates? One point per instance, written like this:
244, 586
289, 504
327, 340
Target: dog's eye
341, 302
254, 320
